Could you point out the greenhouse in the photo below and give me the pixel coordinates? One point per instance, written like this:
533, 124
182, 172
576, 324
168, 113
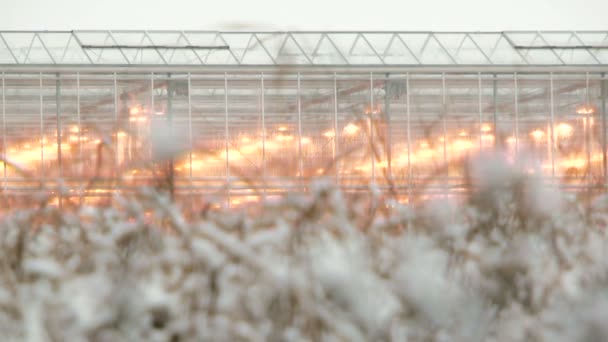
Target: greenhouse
242, 116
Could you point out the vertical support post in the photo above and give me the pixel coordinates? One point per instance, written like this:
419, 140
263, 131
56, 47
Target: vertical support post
409, 137
80, 157
495, 114
58, 123
479, 91
389, 131
516, 104
190, 137
226, 139
169, 115
115, 133
372, 126
588, 130
604, 94
263, 109
552, 126
152, 107
41, 131
4, 183
300, 156
336, 162
444, 114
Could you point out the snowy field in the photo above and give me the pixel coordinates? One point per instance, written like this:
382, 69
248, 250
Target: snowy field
513, 261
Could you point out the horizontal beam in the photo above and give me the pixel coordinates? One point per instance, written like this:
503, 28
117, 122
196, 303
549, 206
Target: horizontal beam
313, 69
168, 47
305, 31
559, 47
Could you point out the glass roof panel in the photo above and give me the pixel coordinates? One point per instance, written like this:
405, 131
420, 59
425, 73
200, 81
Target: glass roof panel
130, 38
180, 56
212, 56
19, 44
107, 56
601, 55
203, 39
560, 38
168, 38
415, 42
498, 49
594, 38
392, 49
363, 52
94, 38
355, 48
307, 42
291, 53
238, 43
327, 52
6, 56
525, 38
379, 41
38, 53
541, 57
343, 42
576, 56
463, 49
217, 57
139, 55
303, 48
431, 51
64, 48
272, 42
256, 53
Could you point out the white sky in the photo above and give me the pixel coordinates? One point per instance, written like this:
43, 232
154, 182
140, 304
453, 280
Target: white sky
474, 15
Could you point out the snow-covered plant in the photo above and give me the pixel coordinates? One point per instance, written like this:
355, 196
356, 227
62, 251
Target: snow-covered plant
514, 260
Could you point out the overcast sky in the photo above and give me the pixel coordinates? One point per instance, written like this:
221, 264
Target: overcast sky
477, 15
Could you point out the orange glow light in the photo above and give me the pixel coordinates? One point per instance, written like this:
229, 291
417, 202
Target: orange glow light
462, 145
564, 129
329, 134
585, 110
486, 128
489, 137
284, 137
537, 134
351, 129
576, 163
134, 111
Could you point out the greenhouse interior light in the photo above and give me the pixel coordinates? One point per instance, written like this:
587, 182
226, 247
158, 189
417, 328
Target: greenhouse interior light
537, 134
351, 129
585, 110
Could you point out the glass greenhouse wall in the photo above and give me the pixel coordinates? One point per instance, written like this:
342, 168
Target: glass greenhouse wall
237, 134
